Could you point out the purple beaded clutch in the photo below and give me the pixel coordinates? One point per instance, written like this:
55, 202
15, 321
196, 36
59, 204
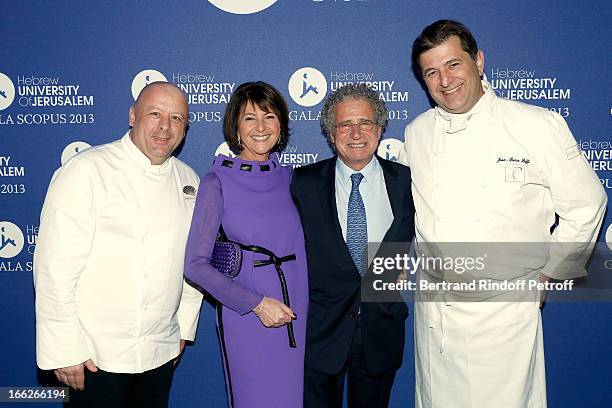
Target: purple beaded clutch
226, 256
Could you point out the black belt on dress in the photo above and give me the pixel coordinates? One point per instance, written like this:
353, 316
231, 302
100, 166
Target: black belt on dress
277, 262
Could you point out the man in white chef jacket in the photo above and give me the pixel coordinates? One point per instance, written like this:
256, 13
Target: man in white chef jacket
112, 309
487, 170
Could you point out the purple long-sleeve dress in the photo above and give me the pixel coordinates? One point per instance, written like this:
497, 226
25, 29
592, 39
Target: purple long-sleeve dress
253, 203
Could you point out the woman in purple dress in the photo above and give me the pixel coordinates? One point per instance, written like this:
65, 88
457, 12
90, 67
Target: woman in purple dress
249, 198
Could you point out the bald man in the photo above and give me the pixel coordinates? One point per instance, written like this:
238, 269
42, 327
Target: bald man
112, 309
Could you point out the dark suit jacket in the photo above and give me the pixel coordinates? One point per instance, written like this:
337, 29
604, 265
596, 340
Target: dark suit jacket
335, 295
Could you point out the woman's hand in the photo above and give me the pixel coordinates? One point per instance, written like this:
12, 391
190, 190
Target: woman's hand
273, 313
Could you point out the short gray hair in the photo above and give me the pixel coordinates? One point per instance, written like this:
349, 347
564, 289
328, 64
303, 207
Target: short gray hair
352, 92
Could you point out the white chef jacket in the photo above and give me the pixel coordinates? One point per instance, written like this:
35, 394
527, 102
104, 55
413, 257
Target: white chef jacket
497, 173
108, 265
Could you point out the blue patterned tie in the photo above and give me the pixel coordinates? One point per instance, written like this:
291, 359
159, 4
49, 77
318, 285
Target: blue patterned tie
356, 226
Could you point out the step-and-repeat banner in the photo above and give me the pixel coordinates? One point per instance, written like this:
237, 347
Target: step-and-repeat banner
69, 72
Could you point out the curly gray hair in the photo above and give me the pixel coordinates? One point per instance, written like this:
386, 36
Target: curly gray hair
348, 92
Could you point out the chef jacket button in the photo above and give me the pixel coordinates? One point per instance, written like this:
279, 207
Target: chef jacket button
476, 219
484, 185
146, 307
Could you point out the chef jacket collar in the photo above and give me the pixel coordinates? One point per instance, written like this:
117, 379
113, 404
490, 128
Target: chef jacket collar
139, 158
458, 121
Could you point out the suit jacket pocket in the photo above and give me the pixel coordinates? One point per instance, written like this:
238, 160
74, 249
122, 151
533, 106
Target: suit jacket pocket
398, 310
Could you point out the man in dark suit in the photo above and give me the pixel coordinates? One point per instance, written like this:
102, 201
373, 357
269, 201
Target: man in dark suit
345, 202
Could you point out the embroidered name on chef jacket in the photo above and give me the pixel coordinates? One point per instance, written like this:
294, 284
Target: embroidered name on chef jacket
514, 168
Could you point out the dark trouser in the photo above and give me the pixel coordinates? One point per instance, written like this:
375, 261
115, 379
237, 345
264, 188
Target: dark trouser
113, 390
323, 390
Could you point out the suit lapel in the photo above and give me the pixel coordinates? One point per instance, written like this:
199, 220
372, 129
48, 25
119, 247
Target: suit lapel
396, 198
327, 196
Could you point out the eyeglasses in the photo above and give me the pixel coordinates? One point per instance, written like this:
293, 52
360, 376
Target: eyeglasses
363, 125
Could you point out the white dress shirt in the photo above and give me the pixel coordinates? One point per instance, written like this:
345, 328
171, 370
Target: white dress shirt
374, 194
108, 265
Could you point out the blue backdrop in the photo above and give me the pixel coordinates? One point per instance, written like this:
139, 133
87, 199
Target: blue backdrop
68, 72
